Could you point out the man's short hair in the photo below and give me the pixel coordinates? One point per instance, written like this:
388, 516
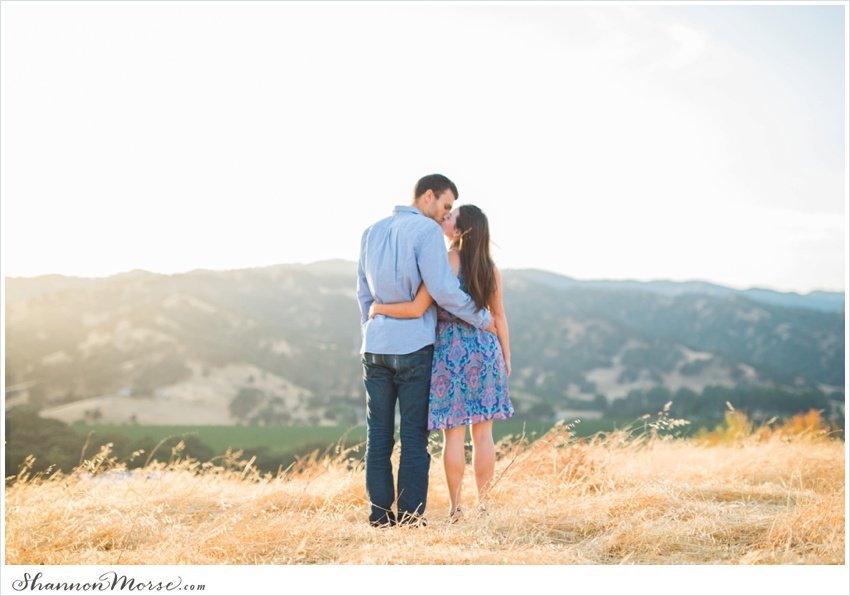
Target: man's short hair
436, 183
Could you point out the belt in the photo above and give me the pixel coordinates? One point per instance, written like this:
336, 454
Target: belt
455, 320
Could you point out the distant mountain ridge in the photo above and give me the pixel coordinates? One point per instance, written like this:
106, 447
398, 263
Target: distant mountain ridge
825, 301
817, 300
280, 344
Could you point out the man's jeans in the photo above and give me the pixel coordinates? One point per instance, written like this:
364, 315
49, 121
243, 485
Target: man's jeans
406, 379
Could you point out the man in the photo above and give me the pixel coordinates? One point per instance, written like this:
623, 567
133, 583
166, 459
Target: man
397, 254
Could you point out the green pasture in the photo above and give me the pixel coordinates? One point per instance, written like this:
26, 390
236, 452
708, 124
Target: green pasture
290, 438
222, 438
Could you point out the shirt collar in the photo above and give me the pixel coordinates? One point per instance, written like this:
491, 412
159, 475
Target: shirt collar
406, 209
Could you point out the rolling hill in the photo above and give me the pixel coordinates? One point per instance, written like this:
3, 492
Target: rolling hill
278, 345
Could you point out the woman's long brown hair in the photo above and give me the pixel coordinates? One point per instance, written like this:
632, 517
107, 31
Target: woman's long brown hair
474, 248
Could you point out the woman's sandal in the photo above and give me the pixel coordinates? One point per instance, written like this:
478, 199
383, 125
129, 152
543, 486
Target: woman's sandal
482, 511
456, 515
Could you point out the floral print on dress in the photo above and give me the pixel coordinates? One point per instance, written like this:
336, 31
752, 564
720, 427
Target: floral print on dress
469, 380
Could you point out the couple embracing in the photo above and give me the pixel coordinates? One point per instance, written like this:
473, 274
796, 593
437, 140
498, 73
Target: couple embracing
435, 343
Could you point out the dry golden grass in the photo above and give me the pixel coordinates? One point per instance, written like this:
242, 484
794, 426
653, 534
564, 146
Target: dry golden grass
756, 499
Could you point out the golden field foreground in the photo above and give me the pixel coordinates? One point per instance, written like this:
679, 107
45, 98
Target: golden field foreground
736, 496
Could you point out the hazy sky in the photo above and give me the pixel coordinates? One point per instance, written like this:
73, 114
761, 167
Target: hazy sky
621, 141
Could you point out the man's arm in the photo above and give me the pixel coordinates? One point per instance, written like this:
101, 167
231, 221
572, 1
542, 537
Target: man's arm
364, 294
442, 283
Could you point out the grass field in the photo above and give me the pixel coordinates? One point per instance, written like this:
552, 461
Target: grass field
739, 495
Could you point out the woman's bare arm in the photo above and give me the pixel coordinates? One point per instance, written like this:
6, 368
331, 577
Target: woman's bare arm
404, 310
497, 309
420, 303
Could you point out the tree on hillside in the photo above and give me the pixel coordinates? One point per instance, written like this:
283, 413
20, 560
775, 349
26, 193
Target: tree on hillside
246, 401
51, 442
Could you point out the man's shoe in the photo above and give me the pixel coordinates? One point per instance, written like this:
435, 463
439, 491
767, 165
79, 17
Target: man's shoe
385, 521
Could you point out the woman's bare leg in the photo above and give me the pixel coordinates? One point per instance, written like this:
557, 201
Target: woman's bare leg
454, 462
483, 458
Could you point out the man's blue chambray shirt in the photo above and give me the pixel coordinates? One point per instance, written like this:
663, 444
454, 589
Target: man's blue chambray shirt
396, 255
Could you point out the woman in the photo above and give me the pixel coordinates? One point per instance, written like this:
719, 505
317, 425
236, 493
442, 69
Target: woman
469, 376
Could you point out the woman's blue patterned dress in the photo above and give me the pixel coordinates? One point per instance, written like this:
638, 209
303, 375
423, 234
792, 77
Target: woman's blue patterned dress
469, 380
